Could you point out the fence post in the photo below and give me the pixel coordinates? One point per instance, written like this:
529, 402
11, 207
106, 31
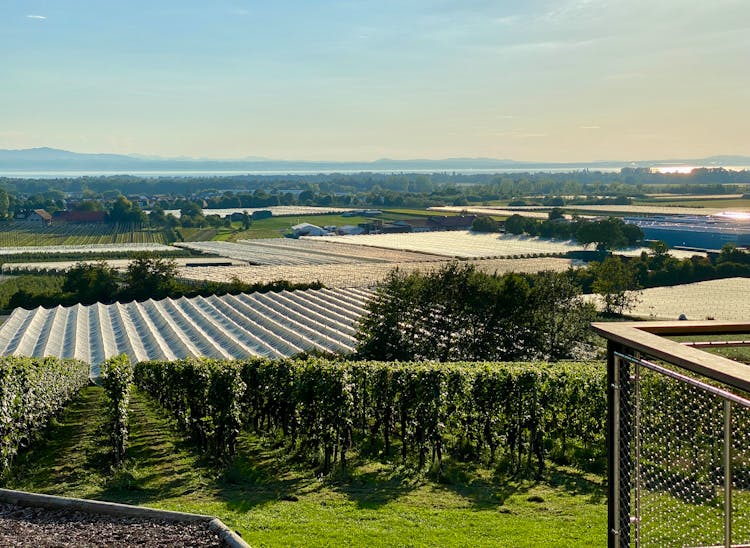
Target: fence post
727, 473
618, 447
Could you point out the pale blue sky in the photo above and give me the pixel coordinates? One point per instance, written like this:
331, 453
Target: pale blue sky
360, 80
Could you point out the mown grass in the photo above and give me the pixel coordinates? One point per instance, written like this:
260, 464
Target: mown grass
273, 499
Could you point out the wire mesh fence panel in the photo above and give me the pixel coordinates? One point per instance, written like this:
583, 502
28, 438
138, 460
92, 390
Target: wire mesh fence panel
674, 459
740, 475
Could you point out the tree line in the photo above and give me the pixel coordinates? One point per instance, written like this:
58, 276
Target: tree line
146, 277
605, 234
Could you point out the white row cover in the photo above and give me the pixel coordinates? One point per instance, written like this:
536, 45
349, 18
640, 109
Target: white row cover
231, 326
265, 253
89, 248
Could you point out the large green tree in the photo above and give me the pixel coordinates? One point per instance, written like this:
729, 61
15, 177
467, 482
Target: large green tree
91, 282
459, 313
149, 278
617, 283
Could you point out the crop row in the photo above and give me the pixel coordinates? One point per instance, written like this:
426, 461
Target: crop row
32, 390
521, 412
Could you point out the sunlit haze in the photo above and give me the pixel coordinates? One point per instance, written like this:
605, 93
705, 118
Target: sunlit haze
353, 80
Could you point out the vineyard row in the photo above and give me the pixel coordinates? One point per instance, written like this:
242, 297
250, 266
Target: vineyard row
521, 412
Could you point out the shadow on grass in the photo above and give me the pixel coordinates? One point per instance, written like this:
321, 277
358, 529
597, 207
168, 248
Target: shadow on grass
259, 475
163, 463
575, 482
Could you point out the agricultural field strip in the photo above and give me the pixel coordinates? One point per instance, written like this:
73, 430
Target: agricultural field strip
230, 326
90, 248
471, 245
304, 248
360, 274
120, 264
299, 252
277, 211
488, 210
263, 255
345, 249
540, 212
634, 209
727, 299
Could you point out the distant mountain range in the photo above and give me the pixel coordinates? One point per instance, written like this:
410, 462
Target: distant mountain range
50, 160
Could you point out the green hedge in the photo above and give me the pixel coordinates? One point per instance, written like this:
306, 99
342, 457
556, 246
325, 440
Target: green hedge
32, 390
522, 412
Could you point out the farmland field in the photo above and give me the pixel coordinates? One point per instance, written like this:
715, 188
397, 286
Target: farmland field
698, 207
278, 211
120, 264
359, 274
487, 210
713, 209
470, 245
727, 299
285, 251
83, 249
28, 234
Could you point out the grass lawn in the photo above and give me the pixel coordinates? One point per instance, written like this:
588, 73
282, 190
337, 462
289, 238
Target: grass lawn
273, 500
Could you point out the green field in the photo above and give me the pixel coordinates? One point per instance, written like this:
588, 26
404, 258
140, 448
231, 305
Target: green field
274, 501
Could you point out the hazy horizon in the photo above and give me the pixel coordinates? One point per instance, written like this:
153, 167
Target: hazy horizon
569, 81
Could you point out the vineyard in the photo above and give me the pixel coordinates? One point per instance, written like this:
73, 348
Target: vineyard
32, 391
231, 326
360, 274
420, 412
28, 234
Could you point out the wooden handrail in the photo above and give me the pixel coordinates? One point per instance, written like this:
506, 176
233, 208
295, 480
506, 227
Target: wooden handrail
647, 338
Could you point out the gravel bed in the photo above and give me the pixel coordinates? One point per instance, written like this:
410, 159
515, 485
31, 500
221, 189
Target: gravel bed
28, 526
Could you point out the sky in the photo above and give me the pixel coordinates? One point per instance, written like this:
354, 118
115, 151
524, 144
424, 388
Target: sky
564, 80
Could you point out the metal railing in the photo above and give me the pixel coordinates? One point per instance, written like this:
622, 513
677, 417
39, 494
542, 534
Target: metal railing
678, 437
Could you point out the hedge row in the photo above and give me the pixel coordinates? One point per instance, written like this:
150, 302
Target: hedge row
519, 411
32, 390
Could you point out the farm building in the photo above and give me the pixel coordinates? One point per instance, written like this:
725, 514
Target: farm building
40, 216
699, 232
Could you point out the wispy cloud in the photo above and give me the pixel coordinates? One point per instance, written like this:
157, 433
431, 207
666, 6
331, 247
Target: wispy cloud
35, 17
590, 127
